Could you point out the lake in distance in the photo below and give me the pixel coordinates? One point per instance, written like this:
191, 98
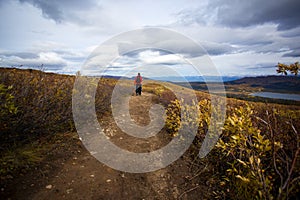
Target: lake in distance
295, 97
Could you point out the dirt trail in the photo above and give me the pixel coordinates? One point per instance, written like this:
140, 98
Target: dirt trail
72, 173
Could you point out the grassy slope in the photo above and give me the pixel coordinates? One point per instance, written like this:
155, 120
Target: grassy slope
44, 102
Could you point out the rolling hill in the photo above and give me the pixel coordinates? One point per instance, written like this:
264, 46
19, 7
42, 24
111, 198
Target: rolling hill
283, 84
43, 157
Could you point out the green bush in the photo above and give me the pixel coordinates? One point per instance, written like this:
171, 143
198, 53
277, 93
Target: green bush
247, 153
257, 156
173, 118
7, 107
174, 115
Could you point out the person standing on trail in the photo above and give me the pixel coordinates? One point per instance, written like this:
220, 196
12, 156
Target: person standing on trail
138, 84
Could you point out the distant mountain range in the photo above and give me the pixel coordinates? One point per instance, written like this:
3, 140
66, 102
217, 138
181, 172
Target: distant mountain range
270, 83
265, 80
185, 79
197, 78
274, 82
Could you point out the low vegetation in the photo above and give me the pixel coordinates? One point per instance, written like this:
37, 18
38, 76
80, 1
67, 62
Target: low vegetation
292, 68
257, 156
35, 106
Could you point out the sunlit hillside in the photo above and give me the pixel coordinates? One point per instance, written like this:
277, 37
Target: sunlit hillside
257, 155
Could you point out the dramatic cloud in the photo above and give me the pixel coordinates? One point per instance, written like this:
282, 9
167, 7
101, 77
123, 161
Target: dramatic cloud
33, 60
159, 58
22, 55
56, 61
214, 48
294, 53
241, 37
170, 42
236, 13
60, 10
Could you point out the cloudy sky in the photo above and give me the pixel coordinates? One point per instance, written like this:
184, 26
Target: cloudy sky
241, 37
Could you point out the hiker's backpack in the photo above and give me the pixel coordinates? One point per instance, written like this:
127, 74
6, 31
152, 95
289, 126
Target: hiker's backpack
138, 79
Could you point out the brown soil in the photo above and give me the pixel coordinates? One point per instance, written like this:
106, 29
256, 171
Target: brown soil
69, 171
